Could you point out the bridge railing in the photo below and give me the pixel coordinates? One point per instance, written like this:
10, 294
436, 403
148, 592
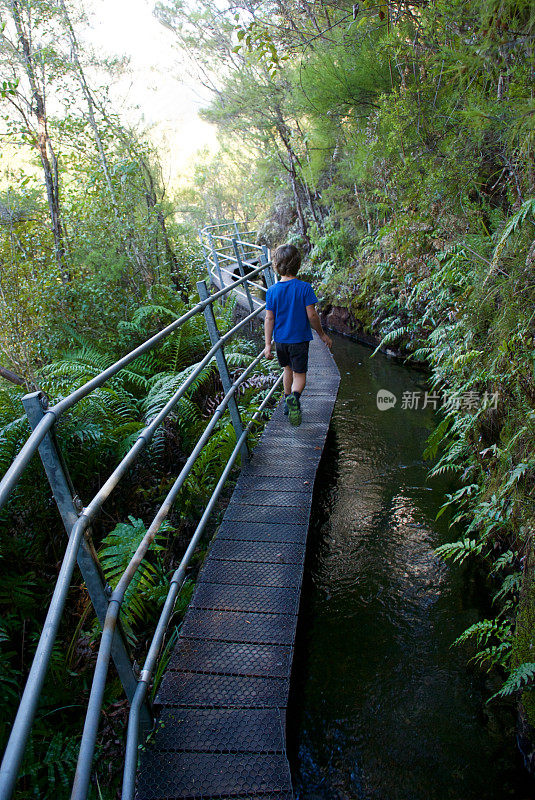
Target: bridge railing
245, 256
77, 522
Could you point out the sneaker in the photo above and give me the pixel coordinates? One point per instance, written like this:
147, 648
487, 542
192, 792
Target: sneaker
286, 409
294, 409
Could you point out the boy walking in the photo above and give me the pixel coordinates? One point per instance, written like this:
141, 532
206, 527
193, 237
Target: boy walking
290, 315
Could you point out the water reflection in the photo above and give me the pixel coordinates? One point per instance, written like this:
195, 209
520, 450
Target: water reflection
384, 709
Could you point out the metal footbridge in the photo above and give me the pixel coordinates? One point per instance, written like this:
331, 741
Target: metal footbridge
218, 720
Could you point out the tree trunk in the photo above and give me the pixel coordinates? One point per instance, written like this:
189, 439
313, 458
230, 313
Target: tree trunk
284, 134
43, 144
12, 376
302, 221
153, 204
89, 102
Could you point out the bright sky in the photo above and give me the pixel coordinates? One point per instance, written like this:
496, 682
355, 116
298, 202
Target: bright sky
166, 96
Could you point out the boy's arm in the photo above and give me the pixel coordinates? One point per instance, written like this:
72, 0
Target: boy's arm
269, 322
313, 318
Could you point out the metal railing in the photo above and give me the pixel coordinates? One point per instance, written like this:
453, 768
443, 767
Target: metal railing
77, 520
246, 256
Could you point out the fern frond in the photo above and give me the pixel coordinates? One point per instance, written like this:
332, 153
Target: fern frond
398, 333
12, 436
503, 561
459, 551
482, 632
164, 385
511, 585
522, 677
526, 210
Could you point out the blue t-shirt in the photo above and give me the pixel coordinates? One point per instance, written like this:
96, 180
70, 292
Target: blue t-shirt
288, 301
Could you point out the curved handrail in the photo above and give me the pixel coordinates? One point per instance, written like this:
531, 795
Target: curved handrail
26, 712
212, 237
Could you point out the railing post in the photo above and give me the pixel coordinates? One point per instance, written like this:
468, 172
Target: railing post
237, 255
264, 259
69, 506
216, 260
213, 332
238, 236
207, 260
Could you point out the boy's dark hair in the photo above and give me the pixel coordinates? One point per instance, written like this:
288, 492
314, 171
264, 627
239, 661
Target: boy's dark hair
287, 260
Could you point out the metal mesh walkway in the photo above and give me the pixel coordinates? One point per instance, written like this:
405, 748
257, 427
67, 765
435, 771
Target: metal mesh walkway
223, 698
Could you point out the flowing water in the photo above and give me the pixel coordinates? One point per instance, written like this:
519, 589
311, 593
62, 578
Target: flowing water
382, 707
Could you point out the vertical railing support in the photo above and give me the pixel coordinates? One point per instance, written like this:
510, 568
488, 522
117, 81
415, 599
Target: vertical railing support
215, 258
264, 259
213, 332
207, 260
69, 506
239, 236
238, 257
236, 230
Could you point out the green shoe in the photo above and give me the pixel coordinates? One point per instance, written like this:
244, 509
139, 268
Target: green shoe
294, 409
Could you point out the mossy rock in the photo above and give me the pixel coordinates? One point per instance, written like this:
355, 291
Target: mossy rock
282, 216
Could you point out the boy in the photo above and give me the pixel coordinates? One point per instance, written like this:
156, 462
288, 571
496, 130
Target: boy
290, 313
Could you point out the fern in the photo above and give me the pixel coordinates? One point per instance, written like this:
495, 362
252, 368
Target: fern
20, 590
496, 655
459, 551
164, 385
504, 561
483, 631
398, 333
13, 434
209, 466
520, 678
527, 209
49, 771
117, 549
511, 585
436, 438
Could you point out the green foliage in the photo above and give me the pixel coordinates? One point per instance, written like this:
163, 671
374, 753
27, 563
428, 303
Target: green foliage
526, 211
400, 144
259, 45
520, 678
148, 586
329, 255
208, 467
48, 774
492, 639
459, 551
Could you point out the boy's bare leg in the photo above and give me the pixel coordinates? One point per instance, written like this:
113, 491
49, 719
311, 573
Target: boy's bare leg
299, 382
287, 380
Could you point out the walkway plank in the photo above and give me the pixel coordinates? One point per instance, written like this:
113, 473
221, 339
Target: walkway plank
223, 698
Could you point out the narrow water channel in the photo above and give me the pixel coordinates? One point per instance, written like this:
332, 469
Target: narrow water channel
383, 708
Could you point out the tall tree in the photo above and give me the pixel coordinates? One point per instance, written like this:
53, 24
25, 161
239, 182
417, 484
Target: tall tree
25, 57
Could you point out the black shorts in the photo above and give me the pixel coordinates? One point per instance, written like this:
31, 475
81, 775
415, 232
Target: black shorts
293, 355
